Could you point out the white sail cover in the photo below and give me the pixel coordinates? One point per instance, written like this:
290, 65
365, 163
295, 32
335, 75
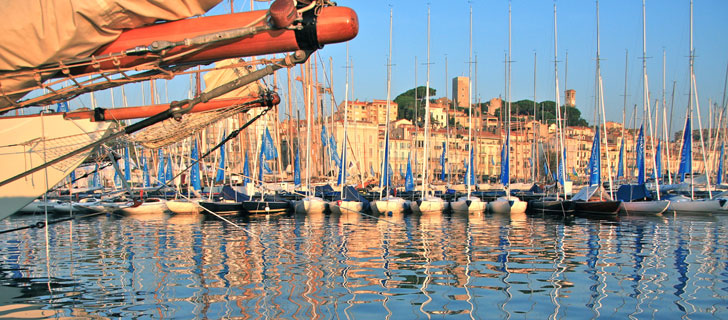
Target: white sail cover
38, 32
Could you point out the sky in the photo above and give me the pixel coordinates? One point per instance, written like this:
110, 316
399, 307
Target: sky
668, 31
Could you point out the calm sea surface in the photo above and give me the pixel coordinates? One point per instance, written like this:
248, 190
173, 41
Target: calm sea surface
355, 267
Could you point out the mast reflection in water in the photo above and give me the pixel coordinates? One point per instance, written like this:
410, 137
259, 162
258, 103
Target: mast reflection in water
352, 266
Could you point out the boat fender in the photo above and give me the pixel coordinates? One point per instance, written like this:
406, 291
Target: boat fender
306, 36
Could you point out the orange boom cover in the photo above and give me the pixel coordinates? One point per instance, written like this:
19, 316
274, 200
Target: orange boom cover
334, 24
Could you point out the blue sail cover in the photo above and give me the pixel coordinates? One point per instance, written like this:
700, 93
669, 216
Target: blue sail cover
72, 176
471, 171
296, 168
161, 177
220, 177
686, 161
145, 172
561, 170
95, 182
269, 146
169, 174
719, 180
246, 171
127, 164
409, 183
195, 171
401, 173
595, 161
620, 166
641, 157
658, 160
384, 181
342, 165
332, 151
117, 178
504, 174
442, 163
324, 135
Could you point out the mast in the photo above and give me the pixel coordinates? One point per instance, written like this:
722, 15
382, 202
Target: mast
307, 79
344, 163
646, 99
386, 130
694, 86
603, 115
447, 127
470, 102
559, 133
534, 149
508, 112
665, 128
425, 158
622, 160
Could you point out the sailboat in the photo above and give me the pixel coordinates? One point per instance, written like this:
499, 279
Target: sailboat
428, 204
310, 204
350, 201
135, 46
507, 204
681, 203
388, 204
469, 203
635, 199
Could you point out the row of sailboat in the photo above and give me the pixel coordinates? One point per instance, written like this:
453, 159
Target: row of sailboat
593, 200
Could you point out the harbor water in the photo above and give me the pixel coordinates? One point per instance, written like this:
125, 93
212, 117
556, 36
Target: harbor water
358, 267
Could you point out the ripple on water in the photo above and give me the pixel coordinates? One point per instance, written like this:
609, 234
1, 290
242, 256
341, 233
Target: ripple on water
407, 267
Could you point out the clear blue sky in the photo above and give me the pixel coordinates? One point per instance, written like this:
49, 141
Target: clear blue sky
621, 29
532, 31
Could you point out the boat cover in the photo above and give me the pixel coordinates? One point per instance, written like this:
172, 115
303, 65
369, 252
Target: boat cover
228, 193
633, 192
592, 194
351, 194
35, 33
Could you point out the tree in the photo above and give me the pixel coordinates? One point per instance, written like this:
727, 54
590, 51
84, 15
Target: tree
406, 103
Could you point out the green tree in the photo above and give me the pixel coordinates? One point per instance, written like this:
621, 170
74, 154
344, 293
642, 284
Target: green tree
406, 103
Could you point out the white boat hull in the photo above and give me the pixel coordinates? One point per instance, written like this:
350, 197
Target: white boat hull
183, 206
22, 147
339, 207
469, 205
644, 207
155, 207
499, 206
695, 206
391, 204
432, 205
310, 205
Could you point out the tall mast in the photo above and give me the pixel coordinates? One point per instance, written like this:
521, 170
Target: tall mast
694, 86
559, 133
508, 112
624, 112
665, 128
646, 99
603, 115
385, 170
344, 162
425, 158
447, 126
470, 102
307, 78
534, 148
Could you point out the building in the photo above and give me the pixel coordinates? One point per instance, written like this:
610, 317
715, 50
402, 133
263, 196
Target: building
570, 97
461, 91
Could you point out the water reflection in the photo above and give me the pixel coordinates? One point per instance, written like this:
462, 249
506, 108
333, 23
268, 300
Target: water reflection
352, 266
